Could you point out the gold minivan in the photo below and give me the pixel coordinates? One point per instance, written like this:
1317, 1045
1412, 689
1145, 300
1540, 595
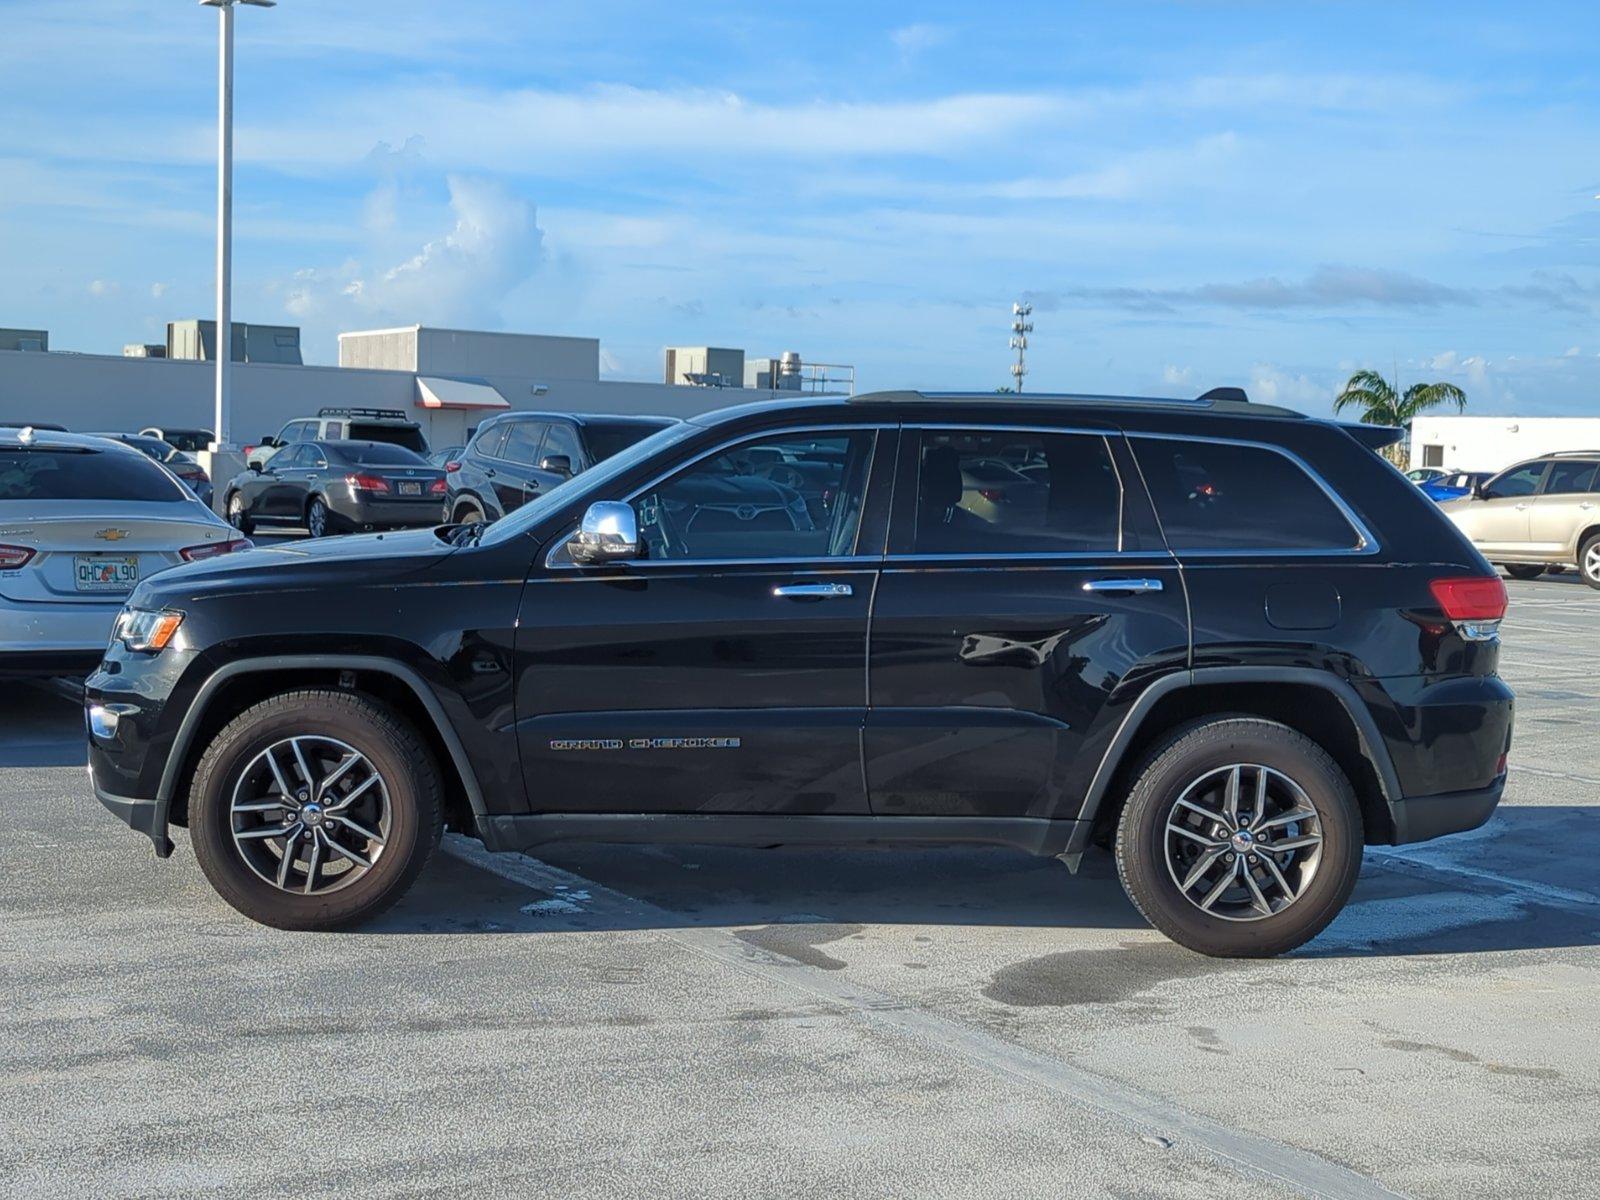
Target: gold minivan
1537, 514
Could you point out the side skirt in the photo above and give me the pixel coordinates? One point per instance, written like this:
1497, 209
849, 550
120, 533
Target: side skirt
1032, 835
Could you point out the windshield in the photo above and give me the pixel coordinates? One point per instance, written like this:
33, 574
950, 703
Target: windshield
82, 475
590, 482
607, 438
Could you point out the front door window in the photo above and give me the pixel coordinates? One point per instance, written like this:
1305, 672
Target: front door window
789, 496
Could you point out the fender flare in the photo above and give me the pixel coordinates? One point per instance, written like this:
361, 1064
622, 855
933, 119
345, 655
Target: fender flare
1372, 743
190, 724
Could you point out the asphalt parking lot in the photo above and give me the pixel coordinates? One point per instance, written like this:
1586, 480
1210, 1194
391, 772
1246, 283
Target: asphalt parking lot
606, 1021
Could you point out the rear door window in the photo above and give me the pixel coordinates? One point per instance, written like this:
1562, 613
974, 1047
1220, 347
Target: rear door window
1568, 477
1229, 496
1000, 492
84, 475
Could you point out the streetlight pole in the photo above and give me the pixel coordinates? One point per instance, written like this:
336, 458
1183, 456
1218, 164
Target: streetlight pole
223, 440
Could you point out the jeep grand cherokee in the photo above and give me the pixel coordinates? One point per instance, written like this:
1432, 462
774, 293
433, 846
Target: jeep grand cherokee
1225, 641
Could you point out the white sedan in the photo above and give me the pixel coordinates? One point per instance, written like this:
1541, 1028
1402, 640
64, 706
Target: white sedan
82, 521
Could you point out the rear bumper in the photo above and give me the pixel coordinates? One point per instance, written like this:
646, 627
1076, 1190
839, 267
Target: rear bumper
63, 638
1422, 818
392, 513
48, 664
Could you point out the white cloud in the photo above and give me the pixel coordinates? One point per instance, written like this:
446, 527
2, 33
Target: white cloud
1270, 384
461, 278
102, 289
158, 290
913, 40
1177, 376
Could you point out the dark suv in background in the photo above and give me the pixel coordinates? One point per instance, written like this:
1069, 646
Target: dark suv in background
512, 458
1226, 641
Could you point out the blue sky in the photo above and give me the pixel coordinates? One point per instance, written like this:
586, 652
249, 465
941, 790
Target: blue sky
1190, 193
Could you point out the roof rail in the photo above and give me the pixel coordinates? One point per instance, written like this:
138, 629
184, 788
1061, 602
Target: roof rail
1571, 454
907, 396
1236, 394
390, 414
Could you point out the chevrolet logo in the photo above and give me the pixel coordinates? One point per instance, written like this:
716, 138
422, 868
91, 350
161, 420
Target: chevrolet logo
112, 535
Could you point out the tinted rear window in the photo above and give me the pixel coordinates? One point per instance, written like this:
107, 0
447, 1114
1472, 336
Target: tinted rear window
1223, 496
79, 475
408, 436
605, 439
381, 456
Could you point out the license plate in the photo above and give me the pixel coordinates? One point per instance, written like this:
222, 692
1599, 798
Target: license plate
99, 574
410, 489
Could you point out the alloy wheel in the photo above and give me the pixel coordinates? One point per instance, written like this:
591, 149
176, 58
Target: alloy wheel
310, 814
236, 510
1243, 842
317, 519
1591, 561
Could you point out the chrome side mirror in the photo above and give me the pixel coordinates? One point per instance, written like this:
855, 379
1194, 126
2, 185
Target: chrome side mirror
610, 532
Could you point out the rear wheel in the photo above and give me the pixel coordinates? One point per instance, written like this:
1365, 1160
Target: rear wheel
1523, 570
319, 521
238, 516
1589, 560
315, 810
467, 514
1241, 838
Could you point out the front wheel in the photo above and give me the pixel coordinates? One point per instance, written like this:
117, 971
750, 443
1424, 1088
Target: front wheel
315, 809
1589, 560
1241, 838
238, 515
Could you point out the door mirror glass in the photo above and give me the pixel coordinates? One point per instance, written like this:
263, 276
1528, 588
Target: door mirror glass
609, 533
556, 464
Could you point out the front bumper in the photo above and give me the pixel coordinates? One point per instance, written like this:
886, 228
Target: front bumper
148, 817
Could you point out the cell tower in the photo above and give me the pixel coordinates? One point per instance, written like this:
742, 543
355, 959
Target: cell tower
1021, 327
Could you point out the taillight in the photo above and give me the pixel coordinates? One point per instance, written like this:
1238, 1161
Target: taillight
437, 488
249, 450
367, 483
212, 549
1474, 604
452, 467
12, 557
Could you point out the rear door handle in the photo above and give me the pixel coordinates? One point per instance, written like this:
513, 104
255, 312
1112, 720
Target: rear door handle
1122, 585
814, 591
489, 471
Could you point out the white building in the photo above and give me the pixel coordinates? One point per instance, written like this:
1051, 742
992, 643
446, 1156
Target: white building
1489, 443
446, 379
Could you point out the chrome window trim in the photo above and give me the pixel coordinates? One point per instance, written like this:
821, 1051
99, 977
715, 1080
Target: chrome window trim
875, 428
1366, 542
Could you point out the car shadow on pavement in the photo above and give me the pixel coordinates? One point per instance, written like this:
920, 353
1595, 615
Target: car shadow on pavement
1501, 888
43, 724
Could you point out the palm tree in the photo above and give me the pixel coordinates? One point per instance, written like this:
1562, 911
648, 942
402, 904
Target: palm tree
1380, 404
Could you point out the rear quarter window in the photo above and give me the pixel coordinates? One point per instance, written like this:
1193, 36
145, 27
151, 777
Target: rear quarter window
1228, 496
84, 475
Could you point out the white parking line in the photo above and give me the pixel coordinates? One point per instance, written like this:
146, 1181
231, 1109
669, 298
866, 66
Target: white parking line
1148, 1115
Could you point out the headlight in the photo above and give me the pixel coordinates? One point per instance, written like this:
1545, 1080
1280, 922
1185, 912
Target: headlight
146, 632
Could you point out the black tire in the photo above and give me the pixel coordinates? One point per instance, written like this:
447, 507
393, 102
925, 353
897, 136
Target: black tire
1523, 570
467, 513
1589, 560
238, 517
411, 789
319, 518
1196, 752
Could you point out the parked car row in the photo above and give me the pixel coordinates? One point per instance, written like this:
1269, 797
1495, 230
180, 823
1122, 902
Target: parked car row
83, 521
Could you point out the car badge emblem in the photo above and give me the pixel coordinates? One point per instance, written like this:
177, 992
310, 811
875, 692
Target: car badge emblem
112, 535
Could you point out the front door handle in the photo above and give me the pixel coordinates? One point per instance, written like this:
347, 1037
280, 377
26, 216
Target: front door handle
813, 591
1520, 507
1586, 504
1122, 585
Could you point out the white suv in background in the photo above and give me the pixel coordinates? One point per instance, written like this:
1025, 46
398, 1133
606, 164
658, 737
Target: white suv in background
1538, 514
82, 520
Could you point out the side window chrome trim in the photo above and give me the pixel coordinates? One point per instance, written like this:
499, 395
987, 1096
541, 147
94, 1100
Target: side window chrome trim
1366, 542
876, 428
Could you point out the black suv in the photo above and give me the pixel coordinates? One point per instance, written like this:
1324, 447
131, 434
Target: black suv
1225, 640
512, 458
